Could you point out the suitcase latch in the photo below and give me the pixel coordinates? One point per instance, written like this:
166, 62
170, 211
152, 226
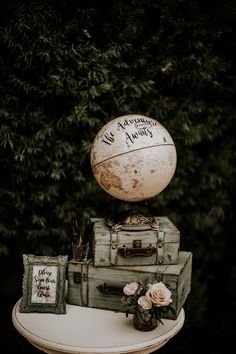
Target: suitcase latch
137, 244
79, 277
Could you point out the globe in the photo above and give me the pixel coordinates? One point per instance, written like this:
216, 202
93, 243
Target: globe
133, 158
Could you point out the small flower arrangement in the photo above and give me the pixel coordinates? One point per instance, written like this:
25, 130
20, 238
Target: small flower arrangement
153, 298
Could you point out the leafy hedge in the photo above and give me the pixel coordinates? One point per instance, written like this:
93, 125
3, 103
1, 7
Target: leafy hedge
68, 67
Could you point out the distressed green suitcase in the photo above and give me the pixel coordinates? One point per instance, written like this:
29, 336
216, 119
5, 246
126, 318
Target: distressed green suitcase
121, 248
103, 287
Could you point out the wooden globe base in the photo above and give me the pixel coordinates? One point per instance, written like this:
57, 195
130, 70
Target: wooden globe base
133, 220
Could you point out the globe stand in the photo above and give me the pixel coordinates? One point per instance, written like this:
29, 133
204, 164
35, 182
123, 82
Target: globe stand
133, 220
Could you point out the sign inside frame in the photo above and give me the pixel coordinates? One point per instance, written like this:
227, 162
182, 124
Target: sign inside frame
44, 284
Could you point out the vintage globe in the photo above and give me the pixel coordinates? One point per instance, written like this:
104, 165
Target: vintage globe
133, 158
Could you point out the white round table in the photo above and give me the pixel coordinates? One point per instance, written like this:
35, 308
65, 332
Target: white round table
87, 330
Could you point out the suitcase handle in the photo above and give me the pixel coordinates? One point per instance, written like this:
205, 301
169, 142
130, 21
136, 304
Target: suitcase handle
110, 289
136, 250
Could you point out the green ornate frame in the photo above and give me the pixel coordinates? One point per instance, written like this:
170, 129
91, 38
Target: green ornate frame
44, 283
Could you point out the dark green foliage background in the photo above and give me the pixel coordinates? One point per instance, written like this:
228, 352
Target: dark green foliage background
69, 67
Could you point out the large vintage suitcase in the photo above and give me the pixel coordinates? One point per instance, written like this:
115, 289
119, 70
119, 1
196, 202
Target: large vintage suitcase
103, 287
120, 248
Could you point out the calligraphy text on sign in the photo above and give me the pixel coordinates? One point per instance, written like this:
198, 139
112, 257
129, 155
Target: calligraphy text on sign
44, 283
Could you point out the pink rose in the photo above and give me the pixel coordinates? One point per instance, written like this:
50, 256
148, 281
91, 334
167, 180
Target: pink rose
157, 295
130, 288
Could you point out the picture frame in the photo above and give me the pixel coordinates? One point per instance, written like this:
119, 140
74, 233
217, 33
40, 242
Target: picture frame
43, 285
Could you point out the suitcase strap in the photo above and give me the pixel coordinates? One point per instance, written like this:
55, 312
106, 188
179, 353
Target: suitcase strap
114, 241
160, 247
81, 278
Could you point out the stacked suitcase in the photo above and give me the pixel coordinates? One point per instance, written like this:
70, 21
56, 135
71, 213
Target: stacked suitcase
120, 257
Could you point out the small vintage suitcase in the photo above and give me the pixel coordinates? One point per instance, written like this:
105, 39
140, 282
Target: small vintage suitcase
120, 248
103, 287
